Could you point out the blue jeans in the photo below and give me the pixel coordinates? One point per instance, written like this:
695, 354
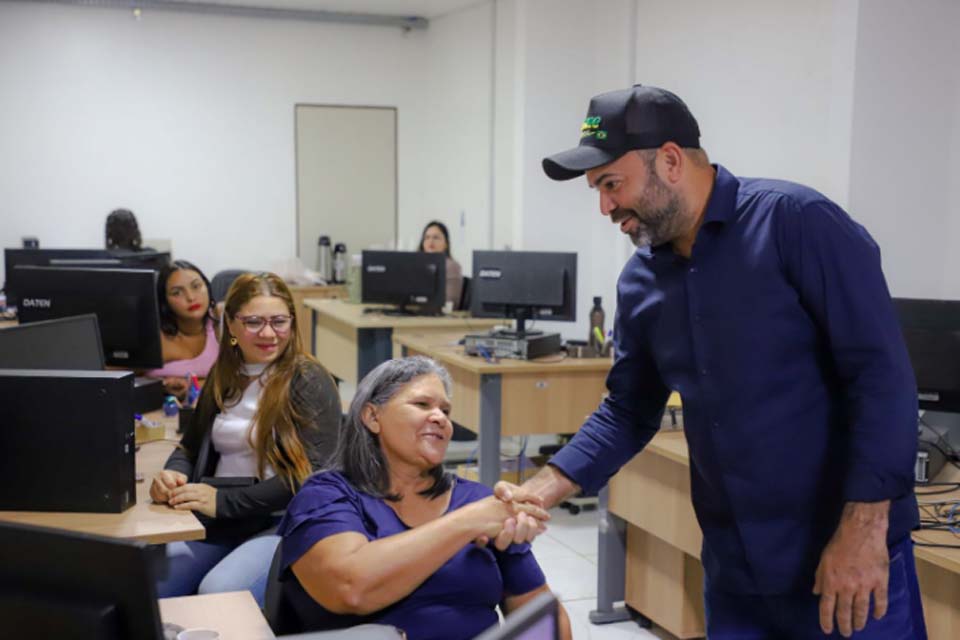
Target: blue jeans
211, 567
797, 616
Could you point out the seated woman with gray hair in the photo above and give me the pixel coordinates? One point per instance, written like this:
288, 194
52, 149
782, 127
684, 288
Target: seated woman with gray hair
387, 536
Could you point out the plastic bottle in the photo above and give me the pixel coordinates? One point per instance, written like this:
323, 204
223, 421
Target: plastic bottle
340, 263
597, 317
354, 278
171, 411
325, 259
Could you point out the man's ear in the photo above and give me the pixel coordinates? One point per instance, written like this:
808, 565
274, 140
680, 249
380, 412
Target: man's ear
368, 415
672, 162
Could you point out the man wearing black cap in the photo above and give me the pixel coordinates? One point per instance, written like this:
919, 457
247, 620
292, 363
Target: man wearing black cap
764, 305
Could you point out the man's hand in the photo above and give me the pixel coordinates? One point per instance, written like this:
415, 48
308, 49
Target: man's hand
544, 490
175, 386
854, 566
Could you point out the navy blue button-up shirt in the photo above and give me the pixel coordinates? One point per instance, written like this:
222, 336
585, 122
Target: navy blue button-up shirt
798, 394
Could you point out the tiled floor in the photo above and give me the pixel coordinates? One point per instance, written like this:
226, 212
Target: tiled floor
567, 552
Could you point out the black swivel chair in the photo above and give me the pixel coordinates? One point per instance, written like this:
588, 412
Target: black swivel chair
221, 283
283, 619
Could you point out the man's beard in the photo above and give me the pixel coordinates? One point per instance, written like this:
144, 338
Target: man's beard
658, 214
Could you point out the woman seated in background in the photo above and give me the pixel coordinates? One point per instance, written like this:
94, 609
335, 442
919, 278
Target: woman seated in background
122, 231
188, 326
386, 536
436, 239
267, 417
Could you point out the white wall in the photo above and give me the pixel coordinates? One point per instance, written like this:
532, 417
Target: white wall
769, 81
188, 121
906, 143
447, 137
571, 51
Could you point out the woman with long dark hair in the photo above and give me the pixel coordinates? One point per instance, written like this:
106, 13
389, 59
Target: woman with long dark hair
267, 418
188, 327
436, 239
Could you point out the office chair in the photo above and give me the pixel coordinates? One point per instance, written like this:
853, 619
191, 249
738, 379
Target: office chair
221, 283
283, 619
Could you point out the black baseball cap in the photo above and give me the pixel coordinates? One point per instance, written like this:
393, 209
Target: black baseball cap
619, 121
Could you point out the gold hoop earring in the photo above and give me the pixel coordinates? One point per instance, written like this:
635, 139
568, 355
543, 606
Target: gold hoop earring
233, 341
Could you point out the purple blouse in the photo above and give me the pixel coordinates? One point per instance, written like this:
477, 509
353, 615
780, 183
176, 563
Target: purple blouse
458, 601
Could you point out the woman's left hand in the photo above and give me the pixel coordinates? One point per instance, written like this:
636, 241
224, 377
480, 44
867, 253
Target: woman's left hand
195, 497
175, 386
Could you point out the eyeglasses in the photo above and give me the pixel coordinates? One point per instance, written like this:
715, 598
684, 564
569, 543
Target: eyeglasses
256, 324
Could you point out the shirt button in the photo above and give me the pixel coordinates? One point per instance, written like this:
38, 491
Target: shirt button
704, 371
696, 318
715, 424
693, 269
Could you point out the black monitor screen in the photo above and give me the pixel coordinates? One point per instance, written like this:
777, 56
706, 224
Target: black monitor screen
124, 301
931, 329
405, 278
530, 284
65, 343
86, 258
58, 584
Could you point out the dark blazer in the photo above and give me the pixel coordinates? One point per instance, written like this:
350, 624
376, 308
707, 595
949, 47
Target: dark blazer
243, 511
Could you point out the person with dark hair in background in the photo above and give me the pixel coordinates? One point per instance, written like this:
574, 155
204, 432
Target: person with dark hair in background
436, 239
267, 417
122, 231
188, 326
387, 536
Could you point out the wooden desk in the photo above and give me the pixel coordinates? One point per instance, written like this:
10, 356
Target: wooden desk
234, 615
350, 343
304, 319
512, 397
153, 523
664, 578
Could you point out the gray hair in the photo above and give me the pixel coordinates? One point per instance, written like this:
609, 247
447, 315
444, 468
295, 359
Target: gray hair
358, 455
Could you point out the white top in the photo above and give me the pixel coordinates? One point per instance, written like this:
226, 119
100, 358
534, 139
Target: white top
232, 433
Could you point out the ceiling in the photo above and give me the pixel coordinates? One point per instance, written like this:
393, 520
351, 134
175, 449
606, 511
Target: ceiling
422, 8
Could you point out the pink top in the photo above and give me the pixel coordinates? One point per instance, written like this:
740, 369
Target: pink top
199, 365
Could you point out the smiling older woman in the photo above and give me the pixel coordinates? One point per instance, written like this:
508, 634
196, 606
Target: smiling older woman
388, 536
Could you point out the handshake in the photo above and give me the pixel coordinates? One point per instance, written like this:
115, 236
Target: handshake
518, 514
512, 515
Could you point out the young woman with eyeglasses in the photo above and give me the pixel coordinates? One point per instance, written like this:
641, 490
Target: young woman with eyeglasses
267, 418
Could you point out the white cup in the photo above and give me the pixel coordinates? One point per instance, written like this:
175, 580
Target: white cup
198, 634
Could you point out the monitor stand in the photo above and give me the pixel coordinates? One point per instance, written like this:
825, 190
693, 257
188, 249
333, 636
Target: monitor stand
520, 332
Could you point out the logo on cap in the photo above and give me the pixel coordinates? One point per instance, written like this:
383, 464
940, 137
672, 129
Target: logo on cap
591, 127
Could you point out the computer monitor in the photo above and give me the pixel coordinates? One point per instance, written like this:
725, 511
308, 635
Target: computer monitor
124, 301
71, 343
535, 620
87, 258
931, 329
524, 285
405, 279
60, 584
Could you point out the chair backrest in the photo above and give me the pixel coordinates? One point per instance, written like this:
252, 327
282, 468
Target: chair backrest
279, 613
465, 295
222, 281
360, 632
